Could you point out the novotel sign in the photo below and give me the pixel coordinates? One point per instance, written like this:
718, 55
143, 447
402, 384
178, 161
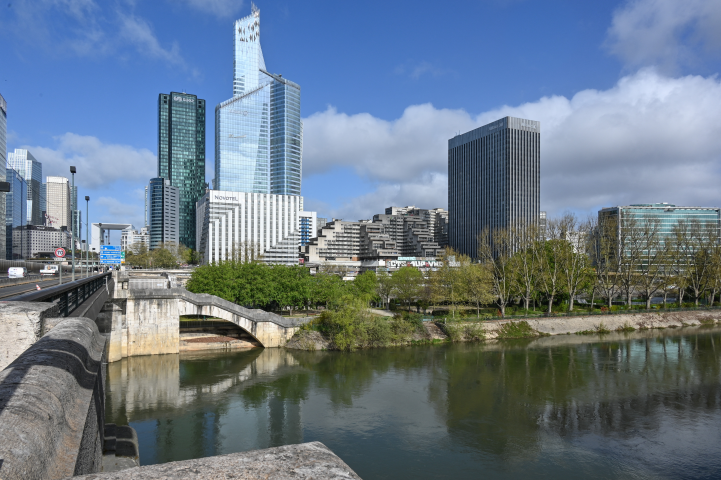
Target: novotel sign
225, 199
183, 99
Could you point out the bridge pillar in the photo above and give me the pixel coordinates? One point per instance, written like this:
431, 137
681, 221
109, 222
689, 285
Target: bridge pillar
151, 326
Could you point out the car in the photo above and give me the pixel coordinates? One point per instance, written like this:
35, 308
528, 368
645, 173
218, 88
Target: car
49, 270
17, 272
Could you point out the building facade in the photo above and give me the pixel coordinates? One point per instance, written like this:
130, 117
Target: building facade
236, 224
38, 241
165, 219
494, 179
58, 202
307, 226
181, 154
3, 130
32, 171
258, 132
134, 240
15, 213
668, 216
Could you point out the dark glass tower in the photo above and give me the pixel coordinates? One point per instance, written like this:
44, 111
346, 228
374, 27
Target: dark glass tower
181, 154
494, 180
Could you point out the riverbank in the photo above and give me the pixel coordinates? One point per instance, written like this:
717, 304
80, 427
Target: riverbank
307, 339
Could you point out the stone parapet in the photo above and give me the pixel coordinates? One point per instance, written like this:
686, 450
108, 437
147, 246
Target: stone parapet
305, 460
21, 325
52, 405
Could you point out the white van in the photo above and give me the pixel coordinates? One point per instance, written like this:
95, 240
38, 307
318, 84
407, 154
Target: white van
17, 272
49, 270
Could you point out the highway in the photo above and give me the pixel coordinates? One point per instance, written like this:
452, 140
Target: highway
13, 290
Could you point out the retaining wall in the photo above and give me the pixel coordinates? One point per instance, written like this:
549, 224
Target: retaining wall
52, 405
21, 325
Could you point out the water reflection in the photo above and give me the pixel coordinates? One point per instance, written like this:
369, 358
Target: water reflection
643, 405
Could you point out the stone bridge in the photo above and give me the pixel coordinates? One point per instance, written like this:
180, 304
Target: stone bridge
146, 322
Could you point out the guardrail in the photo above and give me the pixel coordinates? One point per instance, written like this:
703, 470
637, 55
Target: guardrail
68, 296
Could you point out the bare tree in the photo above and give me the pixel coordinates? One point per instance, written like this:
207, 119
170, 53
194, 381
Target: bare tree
549, 254
525, 261
606, 257
679, 257
573, 258
246, 252
653, 258
702, 240
495, 250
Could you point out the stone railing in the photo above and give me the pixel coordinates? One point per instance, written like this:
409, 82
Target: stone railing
52, 405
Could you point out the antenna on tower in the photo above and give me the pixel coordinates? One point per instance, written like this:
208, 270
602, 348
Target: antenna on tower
254, 10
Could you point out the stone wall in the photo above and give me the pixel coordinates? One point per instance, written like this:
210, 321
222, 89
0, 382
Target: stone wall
52, 401
305, 460
21, 325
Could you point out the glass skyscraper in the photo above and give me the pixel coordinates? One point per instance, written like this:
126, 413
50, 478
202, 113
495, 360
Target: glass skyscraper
3, 130
15, 212
258, 132
181, 154
31, 171
494, 180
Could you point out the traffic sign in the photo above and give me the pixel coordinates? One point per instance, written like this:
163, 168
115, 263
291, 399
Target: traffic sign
110, 254
60, 252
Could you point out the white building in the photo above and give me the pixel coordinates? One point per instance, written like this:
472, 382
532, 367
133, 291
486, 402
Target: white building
132, 240
58, 202
231, 222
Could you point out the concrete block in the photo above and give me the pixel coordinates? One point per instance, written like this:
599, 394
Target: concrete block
21, 325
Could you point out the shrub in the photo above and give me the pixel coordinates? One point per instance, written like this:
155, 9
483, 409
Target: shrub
458, 332
601, 328
625, 328
517, 330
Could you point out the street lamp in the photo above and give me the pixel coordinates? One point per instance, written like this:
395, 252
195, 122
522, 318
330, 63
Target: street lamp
72, 221
87, 235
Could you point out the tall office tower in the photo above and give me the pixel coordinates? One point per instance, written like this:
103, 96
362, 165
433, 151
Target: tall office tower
3, 130
16, 202
3, 159
146, 207
258, 132
43, 202
165, 205
58, 202
77, 214
494, 180
181, 154
32, 172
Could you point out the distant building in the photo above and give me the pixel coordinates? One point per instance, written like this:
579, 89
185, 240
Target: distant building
38, 241
308, 226
3, 159
338, 240
43, 203
32, 172
493, 180
668, 215
258, 132
181, 154
233, 223
59, 202
15, 213
133, 240
164, 212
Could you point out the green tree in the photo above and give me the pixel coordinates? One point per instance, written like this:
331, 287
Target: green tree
365, 286
385, 287
477, 283
407, 281
447, 280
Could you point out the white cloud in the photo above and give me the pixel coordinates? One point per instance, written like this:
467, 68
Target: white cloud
99, 165
665, 33
417, 70
137, 31
649, 138
119, 212
221, 8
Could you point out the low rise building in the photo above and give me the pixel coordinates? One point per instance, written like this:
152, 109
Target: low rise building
40, 241
133, 240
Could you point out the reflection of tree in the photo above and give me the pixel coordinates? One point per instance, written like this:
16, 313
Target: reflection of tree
498, 400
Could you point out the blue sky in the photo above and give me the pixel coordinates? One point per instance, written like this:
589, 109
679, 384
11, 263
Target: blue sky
627, 92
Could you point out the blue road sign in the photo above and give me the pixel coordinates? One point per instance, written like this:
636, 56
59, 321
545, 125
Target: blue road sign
110, 254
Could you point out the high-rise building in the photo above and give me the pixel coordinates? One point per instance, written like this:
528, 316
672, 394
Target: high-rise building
16, 202
43, 203
3, 130
258, 132
308, 225
32, 172
164, 212
134, 240
58, 202
494, 180
181, 154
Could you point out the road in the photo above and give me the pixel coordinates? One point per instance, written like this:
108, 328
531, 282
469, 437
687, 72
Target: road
13, 290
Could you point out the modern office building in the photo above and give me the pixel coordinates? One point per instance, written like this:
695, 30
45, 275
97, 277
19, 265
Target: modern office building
58, 202
32, 172
308, 226
181, 154
3, 130
494, 180
134, 240
16, 202
43, 203
258, 132
165, 216
234, 223
36, 241
667, 215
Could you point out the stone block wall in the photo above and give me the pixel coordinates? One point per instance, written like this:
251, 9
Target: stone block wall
21, 325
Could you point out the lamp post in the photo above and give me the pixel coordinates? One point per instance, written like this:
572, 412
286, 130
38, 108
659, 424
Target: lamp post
87, 235
72, 221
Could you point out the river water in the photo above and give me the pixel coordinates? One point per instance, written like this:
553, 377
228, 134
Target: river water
639, 405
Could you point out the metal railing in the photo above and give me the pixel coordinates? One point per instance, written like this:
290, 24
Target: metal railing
68, 296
